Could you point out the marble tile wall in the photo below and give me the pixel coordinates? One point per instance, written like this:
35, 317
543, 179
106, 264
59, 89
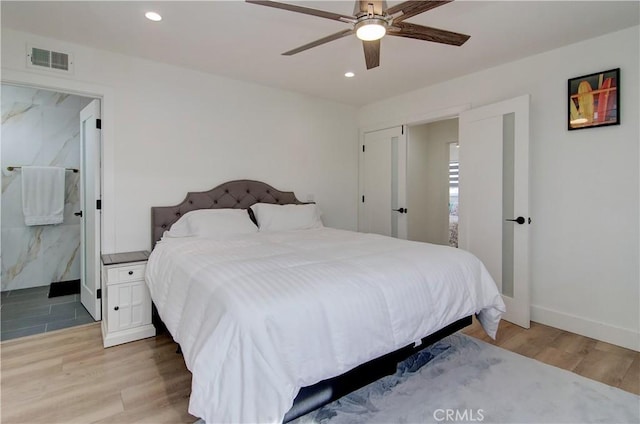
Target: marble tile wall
39, 127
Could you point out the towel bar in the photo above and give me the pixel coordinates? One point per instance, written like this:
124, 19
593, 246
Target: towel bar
13, 168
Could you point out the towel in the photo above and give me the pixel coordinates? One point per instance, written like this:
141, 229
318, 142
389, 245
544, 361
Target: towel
43, 195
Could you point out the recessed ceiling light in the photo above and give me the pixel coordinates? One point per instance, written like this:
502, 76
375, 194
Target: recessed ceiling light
349, 74
153, 16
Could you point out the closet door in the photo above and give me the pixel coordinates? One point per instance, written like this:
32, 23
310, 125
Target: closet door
383, 182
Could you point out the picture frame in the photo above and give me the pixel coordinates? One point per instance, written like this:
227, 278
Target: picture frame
594, 100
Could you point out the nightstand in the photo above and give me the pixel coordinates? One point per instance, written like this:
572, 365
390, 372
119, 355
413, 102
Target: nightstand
126, 303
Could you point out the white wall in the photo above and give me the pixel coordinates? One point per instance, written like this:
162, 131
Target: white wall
584, 184
428, 180
177, 130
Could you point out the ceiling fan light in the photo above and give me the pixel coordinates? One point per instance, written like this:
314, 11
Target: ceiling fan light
370, 30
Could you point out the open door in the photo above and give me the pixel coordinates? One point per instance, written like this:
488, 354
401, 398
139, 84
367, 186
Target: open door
494, 217
90, 147
383, 184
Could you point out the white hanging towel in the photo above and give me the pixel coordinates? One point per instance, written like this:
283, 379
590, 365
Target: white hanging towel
43, 195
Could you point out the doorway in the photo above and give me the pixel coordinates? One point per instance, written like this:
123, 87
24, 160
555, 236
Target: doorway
454, 194
40, 128
489, 214
408, 169
428, 180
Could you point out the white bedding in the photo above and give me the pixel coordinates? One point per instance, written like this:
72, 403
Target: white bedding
260, 316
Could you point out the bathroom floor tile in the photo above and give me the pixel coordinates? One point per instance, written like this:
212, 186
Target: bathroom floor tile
30, 311
17, 313
26, 294
23, 332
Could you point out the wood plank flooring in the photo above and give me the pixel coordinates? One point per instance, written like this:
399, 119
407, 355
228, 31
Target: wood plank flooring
67, 377
600, 361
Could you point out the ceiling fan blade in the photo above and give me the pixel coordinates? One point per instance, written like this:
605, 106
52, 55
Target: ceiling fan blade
304, 10
419, 32
371, 53
319, 42
362, 6
412, 8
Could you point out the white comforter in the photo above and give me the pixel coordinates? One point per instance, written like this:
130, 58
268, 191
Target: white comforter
260, 316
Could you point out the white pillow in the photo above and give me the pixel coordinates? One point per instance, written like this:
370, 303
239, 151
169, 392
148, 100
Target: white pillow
215, 223
272, 217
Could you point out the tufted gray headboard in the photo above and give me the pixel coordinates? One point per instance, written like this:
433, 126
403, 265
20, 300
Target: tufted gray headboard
239, 194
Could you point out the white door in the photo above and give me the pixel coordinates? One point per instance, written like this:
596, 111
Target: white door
383, 183
90, 144
133, 306
494, 197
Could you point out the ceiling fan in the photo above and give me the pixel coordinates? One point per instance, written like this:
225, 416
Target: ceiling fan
370, 22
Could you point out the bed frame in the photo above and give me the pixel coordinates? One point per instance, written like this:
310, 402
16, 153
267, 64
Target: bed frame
241, 194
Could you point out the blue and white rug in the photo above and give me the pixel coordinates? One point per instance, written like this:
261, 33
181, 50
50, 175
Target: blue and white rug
464, 380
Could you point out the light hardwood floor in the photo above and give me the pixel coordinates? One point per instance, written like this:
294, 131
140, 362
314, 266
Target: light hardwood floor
600, 361
67, 377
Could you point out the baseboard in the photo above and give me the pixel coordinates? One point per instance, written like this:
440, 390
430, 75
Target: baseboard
596, 330
126, 336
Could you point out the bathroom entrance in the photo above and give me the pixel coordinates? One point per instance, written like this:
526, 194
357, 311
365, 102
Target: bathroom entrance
43, 211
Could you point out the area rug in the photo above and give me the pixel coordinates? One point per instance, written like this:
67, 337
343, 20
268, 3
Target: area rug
461, 379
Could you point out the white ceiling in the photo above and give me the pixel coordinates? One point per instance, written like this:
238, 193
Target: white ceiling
245, 41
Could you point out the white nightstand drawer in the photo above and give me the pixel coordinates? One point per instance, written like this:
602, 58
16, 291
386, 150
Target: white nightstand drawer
125, 274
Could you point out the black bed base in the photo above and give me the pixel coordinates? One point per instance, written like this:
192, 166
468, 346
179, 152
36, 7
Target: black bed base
313, 397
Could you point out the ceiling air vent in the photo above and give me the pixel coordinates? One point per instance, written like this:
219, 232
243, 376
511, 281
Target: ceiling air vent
48, 59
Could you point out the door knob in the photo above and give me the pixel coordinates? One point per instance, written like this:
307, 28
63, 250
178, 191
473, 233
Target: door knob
520, 220
78, 213
401, 210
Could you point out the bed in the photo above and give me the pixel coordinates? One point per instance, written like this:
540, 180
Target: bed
274, 324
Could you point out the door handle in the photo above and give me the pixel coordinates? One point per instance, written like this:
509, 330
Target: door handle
78, 213
401, 210
520, 220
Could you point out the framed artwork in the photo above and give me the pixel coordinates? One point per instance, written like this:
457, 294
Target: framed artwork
594, 100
